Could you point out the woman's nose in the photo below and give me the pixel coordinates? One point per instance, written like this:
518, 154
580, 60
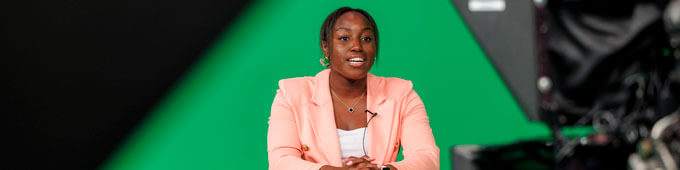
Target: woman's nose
356, 46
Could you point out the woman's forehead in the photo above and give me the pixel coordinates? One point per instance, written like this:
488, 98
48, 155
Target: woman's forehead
352, 21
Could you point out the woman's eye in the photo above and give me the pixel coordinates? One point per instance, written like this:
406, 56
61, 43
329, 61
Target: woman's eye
366, 38
343, 38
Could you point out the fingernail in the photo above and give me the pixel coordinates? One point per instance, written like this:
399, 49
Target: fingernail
349, 163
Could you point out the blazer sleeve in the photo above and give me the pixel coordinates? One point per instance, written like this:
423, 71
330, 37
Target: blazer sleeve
283, 143
420, 150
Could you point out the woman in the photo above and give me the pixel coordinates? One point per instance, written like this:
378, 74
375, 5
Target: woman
345, 117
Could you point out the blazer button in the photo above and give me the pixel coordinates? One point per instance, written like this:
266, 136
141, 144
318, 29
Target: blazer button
305, 148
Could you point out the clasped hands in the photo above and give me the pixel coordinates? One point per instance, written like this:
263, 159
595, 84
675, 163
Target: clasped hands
354, 163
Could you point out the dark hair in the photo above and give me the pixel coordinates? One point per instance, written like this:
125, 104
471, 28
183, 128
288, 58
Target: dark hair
329, 23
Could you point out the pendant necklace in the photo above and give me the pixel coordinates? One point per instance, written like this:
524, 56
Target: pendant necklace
350, 109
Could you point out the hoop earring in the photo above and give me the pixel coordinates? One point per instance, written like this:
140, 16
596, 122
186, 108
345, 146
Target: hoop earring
324, 61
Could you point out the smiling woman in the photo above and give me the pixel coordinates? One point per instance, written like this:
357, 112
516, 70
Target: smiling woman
323, 122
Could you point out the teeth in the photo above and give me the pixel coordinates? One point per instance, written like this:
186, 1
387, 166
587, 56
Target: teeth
356, 60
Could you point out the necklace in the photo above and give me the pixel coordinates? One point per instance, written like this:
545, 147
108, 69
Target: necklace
350, 109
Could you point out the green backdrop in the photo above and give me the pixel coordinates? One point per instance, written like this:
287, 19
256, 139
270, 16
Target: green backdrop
216, 116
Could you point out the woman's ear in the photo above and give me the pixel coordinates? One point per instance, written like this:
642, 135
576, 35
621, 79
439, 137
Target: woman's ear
324, 48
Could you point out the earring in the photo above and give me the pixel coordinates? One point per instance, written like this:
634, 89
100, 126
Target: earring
324, 61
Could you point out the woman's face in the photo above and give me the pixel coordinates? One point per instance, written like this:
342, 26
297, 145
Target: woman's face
353, 46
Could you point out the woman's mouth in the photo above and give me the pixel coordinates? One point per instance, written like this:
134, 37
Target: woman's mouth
356, 61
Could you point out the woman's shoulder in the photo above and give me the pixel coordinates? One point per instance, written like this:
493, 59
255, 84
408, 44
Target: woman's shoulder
301, 83
298, 89
393, 86
297, 83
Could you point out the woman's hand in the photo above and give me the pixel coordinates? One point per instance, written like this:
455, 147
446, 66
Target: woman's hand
363, 163
354, 163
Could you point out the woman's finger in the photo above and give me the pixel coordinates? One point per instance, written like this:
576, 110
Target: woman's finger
366, 157
349, 161
354, 160
366, 165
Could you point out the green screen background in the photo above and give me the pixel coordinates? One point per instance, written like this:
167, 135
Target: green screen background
216, 116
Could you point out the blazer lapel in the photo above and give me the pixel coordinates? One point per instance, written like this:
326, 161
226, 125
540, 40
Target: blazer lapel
380, 128
323, 120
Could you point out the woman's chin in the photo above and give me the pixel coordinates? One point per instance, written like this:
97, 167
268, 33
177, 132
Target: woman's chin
355, 75
352, 74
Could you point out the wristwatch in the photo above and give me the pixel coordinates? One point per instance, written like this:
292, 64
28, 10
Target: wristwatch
384, 168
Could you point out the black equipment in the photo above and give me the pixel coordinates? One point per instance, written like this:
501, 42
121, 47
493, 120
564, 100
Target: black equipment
612, 65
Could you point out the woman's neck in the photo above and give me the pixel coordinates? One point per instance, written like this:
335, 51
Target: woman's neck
346, 88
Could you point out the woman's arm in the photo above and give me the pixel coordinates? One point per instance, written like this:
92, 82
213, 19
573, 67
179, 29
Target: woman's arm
283, 142
420, 150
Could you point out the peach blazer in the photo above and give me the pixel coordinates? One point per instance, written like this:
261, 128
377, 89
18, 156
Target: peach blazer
302, 132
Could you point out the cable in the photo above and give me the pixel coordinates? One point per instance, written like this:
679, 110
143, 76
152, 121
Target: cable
363, 139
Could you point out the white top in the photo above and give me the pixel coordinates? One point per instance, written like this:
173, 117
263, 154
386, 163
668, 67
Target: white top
350, 142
